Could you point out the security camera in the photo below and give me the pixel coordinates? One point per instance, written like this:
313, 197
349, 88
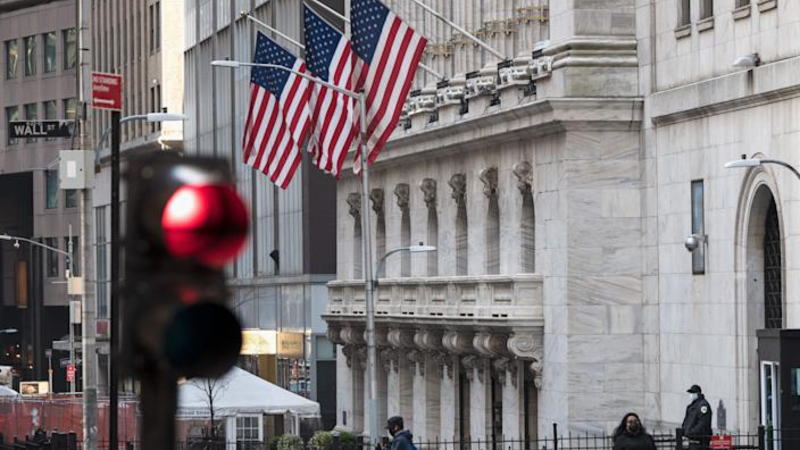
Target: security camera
693, 241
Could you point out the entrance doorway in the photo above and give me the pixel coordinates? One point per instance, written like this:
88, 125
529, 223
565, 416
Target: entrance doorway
770, 403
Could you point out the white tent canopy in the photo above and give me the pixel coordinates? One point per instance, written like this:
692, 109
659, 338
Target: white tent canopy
240, 392
6, 391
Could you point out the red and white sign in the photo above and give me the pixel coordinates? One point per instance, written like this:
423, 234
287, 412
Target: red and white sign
71, 373
107, 91
721, 442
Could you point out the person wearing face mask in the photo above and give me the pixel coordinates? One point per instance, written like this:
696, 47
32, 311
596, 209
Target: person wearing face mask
631, 435
697, 422
401, 438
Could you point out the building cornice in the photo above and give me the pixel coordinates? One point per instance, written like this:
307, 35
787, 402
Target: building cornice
746, 89
524, 121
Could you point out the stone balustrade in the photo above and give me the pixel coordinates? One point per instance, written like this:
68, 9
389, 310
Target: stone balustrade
517, 297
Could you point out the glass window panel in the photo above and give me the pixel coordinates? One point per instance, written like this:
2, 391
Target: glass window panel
698, 227
51, 259
51, 189
70, 48
12, 58
70, 198
30, 56
12, 113
50, 52
69, 108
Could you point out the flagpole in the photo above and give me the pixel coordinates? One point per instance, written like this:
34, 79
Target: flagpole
369, 287
272, 29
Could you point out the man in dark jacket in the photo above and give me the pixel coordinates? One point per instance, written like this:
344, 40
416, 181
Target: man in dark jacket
401, 438
697, 422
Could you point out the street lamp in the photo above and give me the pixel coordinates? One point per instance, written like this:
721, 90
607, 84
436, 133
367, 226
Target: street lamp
755, 162
8, 331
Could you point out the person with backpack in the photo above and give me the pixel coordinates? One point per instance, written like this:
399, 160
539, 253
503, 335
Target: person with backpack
631, 435
401, 438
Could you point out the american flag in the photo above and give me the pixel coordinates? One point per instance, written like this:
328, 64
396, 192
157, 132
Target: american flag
278, 120
390, 51
331, 58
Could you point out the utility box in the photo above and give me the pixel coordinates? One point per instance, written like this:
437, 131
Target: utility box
75, 286
76, 169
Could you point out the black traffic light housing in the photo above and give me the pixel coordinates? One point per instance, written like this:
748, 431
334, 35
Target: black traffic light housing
184, 221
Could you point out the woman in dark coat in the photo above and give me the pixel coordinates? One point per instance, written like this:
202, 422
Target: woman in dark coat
631, 435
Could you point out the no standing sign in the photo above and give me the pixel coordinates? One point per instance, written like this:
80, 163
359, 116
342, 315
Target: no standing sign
107, 91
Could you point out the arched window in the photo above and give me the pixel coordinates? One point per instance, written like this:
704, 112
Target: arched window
773, 269
354, 201
459, 185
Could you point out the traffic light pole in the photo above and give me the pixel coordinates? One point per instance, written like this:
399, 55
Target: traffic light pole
113, 388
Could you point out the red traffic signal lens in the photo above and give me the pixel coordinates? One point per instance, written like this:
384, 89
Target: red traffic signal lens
206, 222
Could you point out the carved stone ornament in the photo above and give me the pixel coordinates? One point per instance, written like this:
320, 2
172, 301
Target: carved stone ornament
458, 183
445, 361
389, 359
489, 179
428, 187
402, 192
474, 365
490, 345
503, 367
350, 354
418, 358
376, 196
537, 368
354, 200
428, 340
353, 336
457, 342
524, 173
333, 334
401, 338
528, 345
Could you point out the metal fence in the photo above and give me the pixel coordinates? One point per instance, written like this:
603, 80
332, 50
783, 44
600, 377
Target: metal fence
762, 439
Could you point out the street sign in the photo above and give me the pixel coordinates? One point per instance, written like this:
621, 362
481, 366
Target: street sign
721, 442
106, 91
70, 373
65, 362
40, 128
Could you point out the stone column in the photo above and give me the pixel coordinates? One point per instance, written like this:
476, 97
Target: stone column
510, 375
344, 389
427, 379
480, 394
448, 396
356, 352
400, 381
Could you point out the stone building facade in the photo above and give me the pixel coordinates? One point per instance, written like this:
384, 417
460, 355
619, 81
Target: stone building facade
559, 189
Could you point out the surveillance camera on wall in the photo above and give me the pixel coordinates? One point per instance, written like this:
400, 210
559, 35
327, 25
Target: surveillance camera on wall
693, 241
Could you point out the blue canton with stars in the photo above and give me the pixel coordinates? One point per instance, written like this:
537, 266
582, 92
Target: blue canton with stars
368, 19
321, 42
268, 52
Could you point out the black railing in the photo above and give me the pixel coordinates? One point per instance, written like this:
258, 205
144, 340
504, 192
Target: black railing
763, 439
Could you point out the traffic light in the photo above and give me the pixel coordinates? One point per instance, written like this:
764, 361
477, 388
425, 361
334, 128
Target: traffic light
185, 221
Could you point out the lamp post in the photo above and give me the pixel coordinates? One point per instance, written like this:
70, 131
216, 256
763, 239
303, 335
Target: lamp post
365, 227
113, 382
755, 162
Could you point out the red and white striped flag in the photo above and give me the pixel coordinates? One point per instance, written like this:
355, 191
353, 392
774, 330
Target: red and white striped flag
331, 58
390, 51
278, 120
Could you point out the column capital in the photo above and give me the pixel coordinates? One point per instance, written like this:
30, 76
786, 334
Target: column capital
445, 361
475, 365
528, 344
429, 340
489, 178
428, 187
490, 345
401, 338
402, 192
352, 335
457, 342
418, 358
376, 196
503, 366
354, 201
458, 183
333, 333
524, 173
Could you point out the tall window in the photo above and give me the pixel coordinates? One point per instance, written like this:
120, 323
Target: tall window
102, 274
684, 12
773, 270
50, 112
70, 198
51, 189
70, 37
50, 51
30, 55
152, 22
52, 258
158, 26
740, 3
528, 232
698, 227
69, 108
707, 8
31, 113
12, 58
12, 113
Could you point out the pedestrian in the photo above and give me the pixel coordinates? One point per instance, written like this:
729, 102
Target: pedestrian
401, 438
697, 422
631, 435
